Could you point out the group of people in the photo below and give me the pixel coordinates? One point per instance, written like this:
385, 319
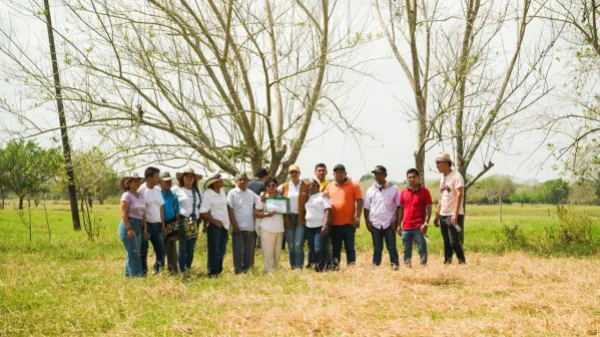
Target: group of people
324, 214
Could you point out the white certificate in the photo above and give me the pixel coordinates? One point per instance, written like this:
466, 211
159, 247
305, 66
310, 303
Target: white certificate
279, 205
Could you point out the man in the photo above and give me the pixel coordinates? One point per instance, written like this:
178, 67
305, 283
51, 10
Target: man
346, 206
171, 216
381, 215
258, 184
155, 221
240, 206
450, 215
321, 175
415, 213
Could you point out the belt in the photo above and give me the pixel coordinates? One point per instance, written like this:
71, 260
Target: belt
153, 223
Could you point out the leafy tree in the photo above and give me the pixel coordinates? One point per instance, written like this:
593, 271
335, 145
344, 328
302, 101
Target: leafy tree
95, 177
556, 191
366, 177
26, 168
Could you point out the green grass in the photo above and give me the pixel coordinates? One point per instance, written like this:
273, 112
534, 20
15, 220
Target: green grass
70, 286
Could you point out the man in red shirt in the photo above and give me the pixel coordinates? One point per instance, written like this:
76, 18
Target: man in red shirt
415, 214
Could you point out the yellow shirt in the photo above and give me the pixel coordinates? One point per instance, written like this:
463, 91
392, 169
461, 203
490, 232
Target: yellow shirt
323, 185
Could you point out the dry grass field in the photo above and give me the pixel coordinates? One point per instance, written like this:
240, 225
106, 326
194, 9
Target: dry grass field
73, 287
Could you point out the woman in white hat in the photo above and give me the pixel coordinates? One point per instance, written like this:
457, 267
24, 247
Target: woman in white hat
214, 211
133, 207
190, 199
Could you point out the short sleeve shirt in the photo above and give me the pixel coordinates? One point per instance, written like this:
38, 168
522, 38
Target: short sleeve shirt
272, 224
216, 204
449, 197
137, 205
382, 203
187, 206
315, 210
154, 202
242, 203
343, 201
414, 203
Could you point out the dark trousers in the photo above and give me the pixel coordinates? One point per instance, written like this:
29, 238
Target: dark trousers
343, 234
217, 244
155, 236
243, 245
379, 235
453, 239
317, 246
186, 247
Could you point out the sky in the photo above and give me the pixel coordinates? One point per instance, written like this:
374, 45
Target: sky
379, 102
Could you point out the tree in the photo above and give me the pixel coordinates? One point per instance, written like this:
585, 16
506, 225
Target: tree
62, 120
482, 91
409, 25
581, 123
95, 176
556, 191
26, 168
222, 83
366, 177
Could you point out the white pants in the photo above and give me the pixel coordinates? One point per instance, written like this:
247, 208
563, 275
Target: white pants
270, 244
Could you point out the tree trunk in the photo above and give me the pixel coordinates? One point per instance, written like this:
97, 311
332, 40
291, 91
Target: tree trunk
90, 200
62, 120
500, 197
20, 202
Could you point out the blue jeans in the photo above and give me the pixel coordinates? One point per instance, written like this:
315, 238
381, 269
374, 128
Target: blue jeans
407, 240
158, 243
217, 244
133, 263
186, 248
345, 234
379, 235
294, 236
317, 246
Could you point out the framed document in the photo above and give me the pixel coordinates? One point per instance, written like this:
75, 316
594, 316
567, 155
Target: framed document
279, 205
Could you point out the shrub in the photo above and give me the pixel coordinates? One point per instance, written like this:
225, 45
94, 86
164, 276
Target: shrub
574, 227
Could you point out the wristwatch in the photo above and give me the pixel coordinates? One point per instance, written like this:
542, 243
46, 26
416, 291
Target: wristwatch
426, 224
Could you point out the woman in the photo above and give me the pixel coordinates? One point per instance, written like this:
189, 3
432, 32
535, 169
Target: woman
318, 210
270, 228
297, 191
133, 207
190, 199
214, 211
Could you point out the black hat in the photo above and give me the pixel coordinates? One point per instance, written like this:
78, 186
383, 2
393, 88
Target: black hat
339, 167
379, 169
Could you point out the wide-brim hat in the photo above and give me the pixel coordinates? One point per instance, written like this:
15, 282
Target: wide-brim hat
212, 180
125, 181
189, 170
443, 157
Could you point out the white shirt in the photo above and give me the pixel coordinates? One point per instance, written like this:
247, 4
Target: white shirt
382, 202
272, 224
452, 182
293, 194
216, 204
315, 210
242, 203
154, 202
186, 199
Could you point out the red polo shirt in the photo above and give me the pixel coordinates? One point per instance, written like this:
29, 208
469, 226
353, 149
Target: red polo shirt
414, 203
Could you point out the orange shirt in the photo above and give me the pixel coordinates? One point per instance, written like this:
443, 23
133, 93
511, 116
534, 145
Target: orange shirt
343, 201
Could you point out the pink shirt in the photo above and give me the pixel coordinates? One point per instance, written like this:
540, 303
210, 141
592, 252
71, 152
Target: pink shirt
382, 204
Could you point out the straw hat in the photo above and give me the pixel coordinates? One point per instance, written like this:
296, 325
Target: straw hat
293, 168
189, 170
211, 181
165, 176
125, 181
443, 157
